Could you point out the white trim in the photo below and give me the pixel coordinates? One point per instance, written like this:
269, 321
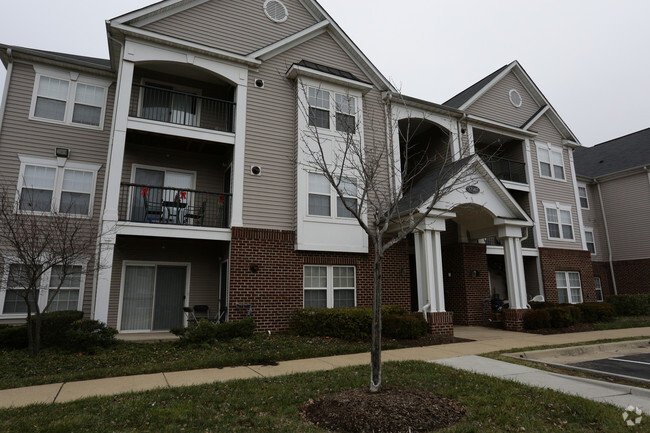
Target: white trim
73, 79
593, 237
501, 127
559, 207
568, 286
181, 130
584, 187
533, 193
292, 41
513, 92
598, 288
535, 117
155, 264
550, 148
172, 231
3, 102
488, 86
157, 15
330, 283
268, 15
303, 72
574, 181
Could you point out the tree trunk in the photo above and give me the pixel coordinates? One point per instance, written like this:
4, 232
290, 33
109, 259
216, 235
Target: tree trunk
375, 349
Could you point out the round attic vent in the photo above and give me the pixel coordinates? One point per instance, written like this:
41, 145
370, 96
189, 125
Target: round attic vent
276, 11
515, 98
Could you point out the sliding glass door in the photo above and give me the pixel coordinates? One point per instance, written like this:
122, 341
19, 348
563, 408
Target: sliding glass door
152, 297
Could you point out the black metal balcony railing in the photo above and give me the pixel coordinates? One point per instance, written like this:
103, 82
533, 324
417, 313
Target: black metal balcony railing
507, 169
180, 108
175, 206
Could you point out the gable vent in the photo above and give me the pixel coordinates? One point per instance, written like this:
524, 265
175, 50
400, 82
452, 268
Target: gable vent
276, 11
515, 98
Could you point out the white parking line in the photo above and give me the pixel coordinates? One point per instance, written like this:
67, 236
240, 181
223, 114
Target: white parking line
628, 360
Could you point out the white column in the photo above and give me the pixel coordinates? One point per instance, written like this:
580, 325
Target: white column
514, 261
423, 294
433, 270
105, 264
239, 154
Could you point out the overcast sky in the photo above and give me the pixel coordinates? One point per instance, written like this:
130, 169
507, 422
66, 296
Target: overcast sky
590, 58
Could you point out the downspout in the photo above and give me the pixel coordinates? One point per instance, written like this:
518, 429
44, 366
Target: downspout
3, 103
609, 245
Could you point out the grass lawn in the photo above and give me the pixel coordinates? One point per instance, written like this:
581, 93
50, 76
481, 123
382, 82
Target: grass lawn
50, 366
273, 405
621, 322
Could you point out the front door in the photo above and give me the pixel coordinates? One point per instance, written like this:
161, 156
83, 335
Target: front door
153, 297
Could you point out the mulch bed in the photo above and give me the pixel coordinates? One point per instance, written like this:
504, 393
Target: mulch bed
392, 410
580, 327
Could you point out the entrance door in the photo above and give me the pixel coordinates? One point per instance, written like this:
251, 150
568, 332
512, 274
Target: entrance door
153, 297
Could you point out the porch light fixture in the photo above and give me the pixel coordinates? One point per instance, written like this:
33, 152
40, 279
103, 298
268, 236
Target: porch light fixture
476, 273
62, 152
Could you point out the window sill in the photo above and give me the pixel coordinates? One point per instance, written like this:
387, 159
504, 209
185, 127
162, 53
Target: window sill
74, 125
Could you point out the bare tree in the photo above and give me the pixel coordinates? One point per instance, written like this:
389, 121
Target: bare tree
36, 244
376, 186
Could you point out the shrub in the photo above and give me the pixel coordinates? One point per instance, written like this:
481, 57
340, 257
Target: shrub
356, 323
597, 312
631, 305
207, 332
541, 305
54, 326
13, 337
88, 335
537, 319
564, 316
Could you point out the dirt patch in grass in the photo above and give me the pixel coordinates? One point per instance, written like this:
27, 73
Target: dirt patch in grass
392, 410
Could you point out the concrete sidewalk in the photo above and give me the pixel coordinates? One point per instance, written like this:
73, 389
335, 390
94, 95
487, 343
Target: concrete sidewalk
485, 340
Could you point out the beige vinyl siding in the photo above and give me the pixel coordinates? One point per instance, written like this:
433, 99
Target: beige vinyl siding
495, 103
212, 24
19, 135
593, 218
627, 207
551, 190
269, 199
204, 257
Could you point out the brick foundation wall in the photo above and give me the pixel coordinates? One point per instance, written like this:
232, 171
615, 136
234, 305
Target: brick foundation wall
267, 272
464, 293
554, 259
603, 271
513, 320
632, 276
442, 324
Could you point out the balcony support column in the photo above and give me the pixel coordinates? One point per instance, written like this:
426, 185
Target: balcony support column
238, 165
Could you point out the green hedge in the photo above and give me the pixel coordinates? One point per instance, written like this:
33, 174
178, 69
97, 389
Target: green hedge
631, 305
554, 317
208, 332
593, 312
356, 323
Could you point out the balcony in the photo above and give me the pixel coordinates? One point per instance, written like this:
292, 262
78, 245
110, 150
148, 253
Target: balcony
507, 169
162, 104
173, 206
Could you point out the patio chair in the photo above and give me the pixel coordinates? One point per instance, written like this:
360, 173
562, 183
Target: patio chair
152, 211
194, 215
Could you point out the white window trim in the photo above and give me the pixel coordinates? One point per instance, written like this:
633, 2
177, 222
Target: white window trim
598, 288
558, 207
550, 148
330, 283
125, 263
593, 237
73, 79
60, 164
586, 197
43, 294
568, 287
333, 196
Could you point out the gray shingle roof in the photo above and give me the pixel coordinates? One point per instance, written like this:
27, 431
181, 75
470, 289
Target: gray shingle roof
467, 94
423, 189
613, 156
91, 61
329, 70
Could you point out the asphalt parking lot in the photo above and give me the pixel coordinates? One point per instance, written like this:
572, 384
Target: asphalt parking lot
637, 366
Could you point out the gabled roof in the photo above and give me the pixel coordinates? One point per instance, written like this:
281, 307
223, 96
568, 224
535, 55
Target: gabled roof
92, 62
329, 70
614, 156
467, 97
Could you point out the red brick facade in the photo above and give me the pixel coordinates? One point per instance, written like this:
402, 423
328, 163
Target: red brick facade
632, 276
513, 320
603, 271
442, 324
554, 259
267, 272
466, 282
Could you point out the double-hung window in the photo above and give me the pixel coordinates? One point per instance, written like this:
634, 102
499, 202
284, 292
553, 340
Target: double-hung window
17, 282
599, 289
45, 186
345, 113
67, 297
582, 194
569, 289
67, 97
589, 239
558, 221
319, 108
329, 286
321, 194
551, 162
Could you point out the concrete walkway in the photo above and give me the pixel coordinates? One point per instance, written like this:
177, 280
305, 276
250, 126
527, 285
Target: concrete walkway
485, 340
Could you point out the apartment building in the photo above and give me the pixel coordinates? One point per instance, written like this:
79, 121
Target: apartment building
187, 148
614, 192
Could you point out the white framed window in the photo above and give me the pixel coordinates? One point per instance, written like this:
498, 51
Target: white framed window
551, 161
589, 239
582, 194
68, 98
599, 289
559, 222
329, 286
56, 185
344, 110
569, 289
15, 279
323, 198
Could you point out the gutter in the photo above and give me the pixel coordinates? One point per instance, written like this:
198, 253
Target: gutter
609, 245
